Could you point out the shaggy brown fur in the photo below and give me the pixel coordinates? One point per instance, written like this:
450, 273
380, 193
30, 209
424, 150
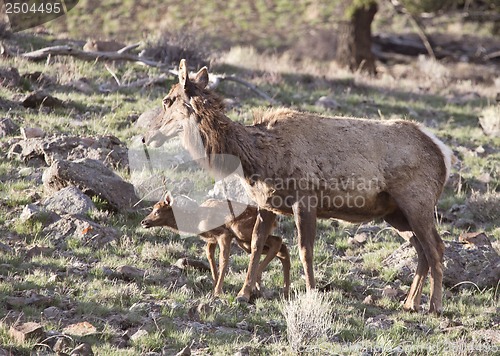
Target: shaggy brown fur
329, 167
239, 228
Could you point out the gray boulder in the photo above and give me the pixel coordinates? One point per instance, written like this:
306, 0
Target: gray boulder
81, 228
8, 127
94, 179
463, 262
146, 119
107, 149
33, 212
69, 200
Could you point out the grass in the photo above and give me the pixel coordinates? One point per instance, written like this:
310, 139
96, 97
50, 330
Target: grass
81, 281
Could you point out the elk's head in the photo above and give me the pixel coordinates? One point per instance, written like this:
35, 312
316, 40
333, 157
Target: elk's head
180, 105
162, 214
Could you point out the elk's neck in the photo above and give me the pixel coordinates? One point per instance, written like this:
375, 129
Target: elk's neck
219, 135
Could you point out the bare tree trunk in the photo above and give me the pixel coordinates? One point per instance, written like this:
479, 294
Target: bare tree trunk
355, 40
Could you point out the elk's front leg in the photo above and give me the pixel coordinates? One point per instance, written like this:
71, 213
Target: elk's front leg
305, 220
261, 230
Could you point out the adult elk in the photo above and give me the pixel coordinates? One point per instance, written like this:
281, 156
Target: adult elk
238, 228
314, 166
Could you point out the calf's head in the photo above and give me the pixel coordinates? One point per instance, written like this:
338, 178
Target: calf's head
162, 214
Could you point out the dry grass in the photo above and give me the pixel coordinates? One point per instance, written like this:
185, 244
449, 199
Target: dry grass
309, 321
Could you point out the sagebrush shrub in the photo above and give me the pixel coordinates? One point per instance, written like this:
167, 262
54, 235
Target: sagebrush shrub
309, 320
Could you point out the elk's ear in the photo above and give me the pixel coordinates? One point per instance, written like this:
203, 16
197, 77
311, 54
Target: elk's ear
168, 198
201, 77
183, 74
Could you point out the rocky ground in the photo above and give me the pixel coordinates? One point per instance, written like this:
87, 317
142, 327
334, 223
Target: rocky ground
78, 275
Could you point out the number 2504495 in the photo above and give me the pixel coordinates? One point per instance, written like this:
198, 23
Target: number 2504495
25, 8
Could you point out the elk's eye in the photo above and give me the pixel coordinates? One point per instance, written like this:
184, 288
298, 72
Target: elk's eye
167, 102
156, 213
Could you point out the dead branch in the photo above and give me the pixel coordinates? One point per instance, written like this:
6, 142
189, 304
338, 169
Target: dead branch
492, 55
217, 78
128, 48
44, 53
161, 79
121, 55
399, 8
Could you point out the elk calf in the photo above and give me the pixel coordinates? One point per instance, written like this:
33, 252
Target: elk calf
239, 228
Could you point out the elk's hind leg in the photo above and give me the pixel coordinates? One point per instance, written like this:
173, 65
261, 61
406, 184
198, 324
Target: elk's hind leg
399, 222
305, 220
430, 250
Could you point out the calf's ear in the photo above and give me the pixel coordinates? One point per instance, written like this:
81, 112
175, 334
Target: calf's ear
169, 199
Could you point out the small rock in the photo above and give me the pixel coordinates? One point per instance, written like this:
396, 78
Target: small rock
32, 212
138, 334
389, 292
381, 322
185, 262
27, 331
41, 98
82, 350
61, 345
38, 251
193, 313
327, 102
359, 239
204, 308
82, 85
475, 238
9, 77
368, 300
465, 224
80, 329
243, 325
6, 248
34, 299
32, 132
8, 127
51, 312
131, 273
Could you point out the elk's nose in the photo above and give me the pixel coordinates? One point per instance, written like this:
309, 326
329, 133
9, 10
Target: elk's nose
145, 223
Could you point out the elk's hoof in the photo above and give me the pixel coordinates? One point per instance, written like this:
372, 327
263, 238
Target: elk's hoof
241, 299
411, 308
436, 311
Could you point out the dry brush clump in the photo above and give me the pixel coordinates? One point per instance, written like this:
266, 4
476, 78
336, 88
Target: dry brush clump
309, 320
171, 47
489, 119
485, 207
